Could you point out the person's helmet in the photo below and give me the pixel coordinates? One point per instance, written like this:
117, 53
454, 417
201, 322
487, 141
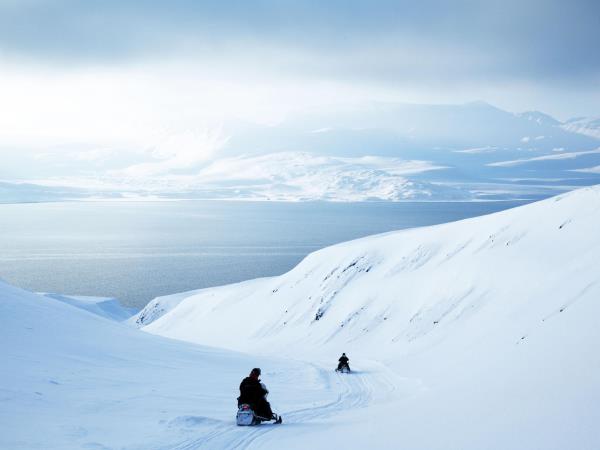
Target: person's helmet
255, 371
343, 354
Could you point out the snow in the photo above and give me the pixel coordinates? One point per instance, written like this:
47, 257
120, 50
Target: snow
558, 156
588, 126
107, 307
477, 150
72, 379
287, 176
539, 118
595, 169
418, 153
161, 305
293, 176
485, 325
481, 333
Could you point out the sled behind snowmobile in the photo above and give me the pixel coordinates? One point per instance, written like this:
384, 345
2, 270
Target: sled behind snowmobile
343, 369
246, 417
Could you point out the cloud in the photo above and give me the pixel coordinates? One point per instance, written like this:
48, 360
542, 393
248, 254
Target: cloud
77, 76
178, 152
375, 41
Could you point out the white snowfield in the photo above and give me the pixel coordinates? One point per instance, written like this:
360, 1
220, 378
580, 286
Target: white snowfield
487, 329
479, 334
71, 379
107, 307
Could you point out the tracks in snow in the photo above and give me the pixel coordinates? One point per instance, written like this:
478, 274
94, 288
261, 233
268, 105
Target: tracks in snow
355, 390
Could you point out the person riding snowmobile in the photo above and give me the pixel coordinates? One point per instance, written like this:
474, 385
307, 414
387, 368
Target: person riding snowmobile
254, 393
343, 362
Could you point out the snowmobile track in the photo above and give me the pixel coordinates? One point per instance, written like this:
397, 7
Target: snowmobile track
355, 390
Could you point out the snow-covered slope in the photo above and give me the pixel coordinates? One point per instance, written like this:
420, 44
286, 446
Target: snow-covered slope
70, 379
539, 118
476, 334
494, 319
159, 307
403, 286
588, 126
107, 307
293, 176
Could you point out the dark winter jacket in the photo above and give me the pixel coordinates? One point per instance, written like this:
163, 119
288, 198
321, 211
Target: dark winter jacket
343, 360
251, 391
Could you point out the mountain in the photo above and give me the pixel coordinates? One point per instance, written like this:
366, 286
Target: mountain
362, 152
400, 284
11, 192
400, 130
490, 324
584, 125
305, 176
287, 176
540, 118
468, 140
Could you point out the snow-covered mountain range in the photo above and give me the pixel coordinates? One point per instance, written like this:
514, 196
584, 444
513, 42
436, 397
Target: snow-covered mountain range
305, 176
372, 151
470, 141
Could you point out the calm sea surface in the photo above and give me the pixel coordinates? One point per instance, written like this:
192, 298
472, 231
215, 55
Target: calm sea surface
136, 251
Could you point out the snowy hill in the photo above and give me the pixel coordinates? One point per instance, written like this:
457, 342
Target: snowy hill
539, 118
304, 176
495, 318
475, 334
405, 286
107, 307
584, 125
71, 379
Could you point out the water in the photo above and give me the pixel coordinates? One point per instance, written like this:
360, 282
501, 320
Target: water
136, 251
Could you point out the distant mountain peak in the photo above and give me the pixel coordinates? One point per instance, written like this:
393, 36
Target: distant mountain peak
481, 103
588, 126
539, 117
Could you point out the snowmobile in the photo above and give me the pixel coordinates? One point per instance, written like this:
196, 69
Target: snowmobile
343, 368
246, 416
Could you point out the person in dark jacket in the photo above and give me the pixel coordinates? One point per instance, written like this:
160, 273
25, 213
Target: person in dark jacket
343, 362
254, 393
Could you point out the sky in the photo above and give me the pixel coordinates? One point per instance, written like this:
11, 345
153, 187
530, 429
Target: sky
131, 81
